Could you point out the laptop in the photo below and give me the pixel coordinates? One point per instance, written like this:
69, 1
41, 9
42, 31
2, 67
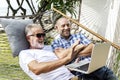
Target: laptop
98, 59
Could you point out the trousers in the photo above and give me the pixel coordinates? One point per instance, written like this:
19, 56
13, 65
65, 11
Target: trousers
103, 73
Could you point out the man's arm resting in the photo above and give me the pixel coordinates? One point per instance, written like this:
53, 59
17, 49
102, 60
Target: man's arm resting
61, 52
44, 67
87, 50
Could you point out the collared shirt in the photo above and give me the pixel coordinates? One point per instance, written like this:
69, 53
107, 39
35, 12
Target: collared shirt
63, 43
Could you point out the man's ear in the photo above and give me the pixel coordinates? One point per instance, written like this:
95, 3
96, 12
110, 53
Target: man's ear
55, 27
27, 37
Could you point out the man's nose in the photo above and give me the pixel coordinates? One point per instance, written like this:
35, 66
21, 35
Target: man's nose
66, 27
41, 37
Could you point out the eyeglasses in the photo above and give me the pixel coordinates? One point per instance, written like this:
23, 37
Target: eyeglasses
38, 35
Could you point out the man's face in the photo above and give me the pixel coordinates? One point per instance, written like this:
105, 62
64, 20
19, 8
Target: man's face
63, 27
36, 38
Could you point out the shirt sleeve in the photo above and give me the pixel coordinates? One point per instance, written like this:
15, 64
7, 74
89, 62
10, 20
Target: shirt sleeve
84, 40
55, 45
24, 59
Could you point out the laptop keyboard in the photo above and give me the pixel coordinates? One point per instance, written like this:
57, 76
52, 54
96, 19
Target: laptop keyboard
83, 67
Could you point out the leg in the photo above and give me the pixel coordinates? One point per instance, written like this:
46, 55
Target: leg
109, 75
101, 74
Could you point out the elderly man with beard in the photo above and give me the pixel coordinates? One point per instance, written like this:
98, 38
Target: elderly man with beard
39, 62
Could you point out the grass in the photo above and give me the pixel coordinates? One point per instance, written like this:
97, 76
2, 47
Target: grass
9, 66
116, 66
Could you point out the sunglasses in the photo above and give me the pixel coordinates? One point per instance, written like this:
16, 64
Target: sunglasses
39, 35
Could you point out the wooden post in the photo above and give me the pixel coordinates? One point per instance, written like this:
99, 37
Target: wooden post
96, 34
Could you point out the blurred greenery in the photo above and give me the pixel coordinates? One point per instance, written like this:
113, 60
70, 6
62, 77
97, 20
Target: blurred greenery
9, 66
116, 64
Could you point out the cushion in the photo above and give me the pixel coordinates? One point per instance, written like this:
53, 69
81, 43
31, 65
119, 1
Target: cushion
15, 30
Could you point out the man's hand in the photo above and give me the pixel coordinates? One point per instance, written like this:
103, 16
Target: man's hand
71, 51
86, 50
79, 48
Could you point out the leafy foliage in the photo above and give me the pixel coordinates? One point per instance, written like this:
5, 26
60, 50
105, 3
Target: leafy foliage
65, 6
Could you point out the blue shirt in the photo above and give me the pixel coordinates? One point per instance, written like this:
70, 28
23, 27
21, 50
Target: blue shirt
63, 43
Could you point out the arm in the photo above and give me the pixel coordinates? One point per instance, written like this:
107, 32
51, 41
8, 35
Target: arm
81, 49
87, 50
60, 52
44, 67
